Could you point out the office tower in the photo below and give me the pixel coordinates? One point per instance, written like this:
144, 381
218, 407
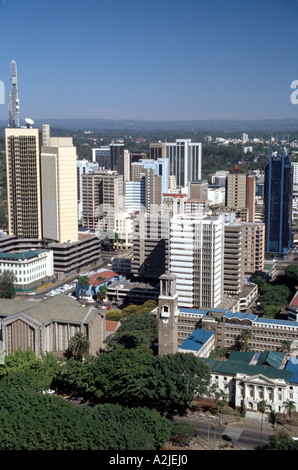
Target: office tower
13, 98
153, 191
158, 150
185, 159
233, 258
83, 167
135, 196
278, 191
240, 195
198, 190
219, 178
102, 200
254, 247
196, 258
117, 157
129, 159
167, 316
23, 182
45, 134
59, 189
148, 180
102, 156
150, 246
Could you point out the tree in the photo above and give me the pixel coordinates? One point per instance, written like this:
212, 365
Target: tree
138, 330
182, 433
289, 407
245, 336
79, 345
83, 284
262, 405
286, 345
291, 273
7, 288
282, 441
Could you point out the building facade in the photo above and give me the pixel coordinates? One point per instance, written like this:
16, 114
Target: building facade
59, 190
278, 204
23, 182
196, 258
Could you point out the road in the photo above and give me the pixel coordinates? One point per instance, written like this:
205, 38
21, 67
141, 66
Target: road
244, 434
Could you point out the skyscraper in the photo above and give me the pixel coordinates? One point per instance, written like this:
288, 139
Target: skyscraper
59, 189
278, 203
13, 98
185, 159
196, 258
240, 194
23, 182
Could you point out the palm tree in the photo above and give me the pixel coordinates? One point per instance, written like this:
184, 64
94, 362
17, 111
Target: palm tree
290, 407
262, 408
79, 345
286, 345
245, 335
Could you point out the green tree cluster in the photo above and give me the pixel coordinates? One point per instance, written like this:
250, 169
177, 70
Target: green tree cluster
133, 377
32, 421
272, 297
7, 288
137, 330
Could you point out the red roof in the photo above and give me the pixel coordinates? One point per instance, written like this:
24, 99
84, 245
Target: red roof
294, 301
106, 274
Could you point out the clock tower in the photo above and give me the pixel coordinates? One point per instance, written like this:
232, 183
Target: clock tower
168, 315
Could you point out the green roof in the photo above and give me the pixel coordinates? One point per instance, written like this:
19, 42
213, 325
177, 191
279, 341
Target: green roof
233, 367
21, 254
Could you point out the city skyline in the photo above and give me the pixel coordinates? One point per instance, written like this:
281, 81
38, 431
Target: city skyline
151, 60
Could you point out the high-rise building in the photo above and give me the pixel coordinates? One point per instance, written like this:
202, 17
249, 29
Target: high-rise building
196, 258
150, 246
233, 258
117, 157
83, 167
102, 156
240, 194
59, 189
103, 200
23, 182
198, 190
13, 98
278, 191
185, 159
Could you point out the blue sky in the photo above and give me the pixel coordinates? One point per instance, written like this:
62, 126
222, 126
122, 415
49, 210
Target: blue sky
151, 59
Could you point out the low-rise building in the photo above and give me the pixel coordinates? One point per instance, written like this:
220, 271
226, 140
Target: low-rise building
249, 377
48, 326
31, 268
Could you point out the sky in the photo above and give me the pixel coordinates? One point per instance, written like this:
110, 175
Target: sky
151, 59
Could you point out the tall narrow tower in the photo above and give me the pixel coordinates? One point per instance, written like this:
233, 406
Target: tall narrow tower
13, 98
23, 182
278, 203
168, 315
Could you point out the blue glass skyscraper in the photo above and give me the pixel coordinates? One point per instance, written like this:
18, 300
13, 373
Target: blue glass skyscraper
278, 203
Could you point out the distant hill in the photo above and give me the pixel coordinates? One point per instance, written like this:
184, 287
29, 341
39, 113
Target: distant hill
265, 125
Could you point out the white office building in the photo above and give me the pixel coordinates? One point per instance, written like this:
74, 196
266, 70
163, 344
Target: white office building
31, 268
196, 258
185, 159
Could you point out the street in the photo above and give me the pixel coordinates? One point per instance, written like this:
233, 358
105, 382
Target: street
241, 434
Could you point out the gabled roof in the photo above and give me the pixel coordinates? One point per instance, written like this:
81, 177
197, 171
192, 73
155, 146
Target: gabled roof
60, 308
